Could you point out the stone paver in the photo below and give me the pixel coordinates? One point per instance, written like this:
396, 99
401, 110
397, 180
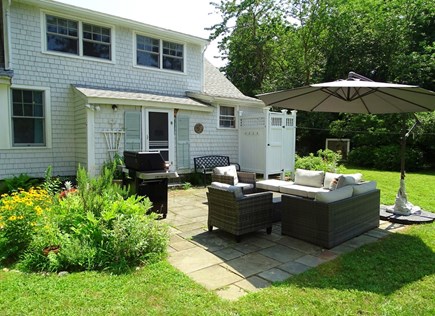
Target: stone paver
250, 264
275, 275
294, 268
216, 261
215, 277
193, 259
281, 253
253, 284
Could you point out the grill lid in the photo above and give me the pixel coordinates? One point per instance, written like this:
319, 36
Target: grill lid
144, 161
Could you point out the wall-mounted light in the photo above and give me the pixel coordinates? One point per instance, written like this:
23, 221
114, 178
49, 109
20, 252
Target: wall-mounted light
114, 107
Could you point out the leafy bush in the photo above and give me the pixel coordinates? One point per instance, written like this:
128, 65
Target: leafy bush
97, 227
21, 215
51, 184
362, 156
21, 182
325, 160
386, 158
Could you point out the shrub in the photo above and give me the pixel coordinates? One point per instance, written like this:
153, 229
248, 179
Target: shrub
21, 182
51, 184
386, 157
362, 156
21, 215
97, 227
325, 160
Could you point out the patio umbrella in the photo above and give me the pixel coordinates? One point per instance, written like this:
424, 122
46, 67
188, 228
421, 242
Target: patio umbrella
358, 94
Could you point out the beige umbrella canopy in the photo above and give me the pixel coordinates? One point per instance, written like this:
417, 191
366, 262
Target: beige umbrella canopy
358, 94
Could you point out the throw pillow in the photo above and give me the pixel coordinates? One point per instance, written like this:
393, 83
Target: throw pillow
332, 196
227, 171
329, 177
333, 184
345, 180
309, 178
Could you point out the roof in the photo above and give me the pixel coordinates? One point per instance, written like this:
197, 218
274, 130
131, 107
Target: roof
217, 88
95, 95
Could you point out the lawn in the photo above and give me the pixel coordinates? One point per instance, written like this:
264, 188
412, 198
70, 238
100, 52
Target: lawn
420, 187
395, 276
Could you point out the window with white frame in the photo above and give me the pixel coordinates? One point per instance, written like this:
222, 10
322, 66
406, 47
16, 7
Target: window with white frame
153, 52
78, 38
227, 117
28, 118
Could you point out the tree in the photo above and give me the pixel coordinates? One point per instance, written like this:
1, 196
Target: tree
249, 44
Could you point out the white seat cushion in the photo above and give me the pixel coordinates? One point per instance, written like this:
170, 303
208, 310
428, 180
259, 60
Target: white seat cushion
364, 187
301, 190
245, 186
336, 195
238, 193
272, 184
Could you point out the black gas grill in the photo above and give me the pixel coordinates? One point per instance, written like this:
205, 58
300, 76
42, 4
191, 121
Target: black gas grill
148, 176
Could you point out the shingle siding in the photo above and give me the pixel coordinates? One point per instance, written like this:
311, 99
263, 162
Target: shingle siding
34, 68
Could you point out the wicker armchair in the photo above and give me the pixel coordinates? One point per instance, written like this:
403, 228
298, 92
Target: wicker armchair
247, 180
239, 216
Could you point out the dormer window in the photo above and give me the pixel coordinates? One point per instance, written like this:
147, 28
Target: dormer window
78, 38
160, 54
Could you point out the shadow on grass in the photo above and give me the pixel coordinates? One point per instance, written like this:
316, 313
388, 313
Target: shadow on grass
383, 267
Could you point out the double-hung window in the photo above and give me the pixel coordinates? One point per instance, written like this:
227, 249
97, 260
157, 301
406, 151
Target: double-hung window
78, 38
62, 35
227, 117
156, 53
28, 118
96, 41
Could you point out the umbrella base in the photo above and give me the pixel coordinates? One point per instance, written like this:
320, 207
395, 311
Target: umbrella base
418, 217
404, 210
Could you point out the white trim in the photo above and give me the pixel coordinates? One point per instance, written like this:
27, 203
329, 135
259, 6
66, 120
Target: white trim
160, 39
80, 22
5, 117
47, 118
90, 139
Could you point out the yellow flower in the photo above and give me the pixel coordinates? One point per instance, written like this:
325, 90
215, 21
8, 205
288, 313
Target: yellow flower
12, 218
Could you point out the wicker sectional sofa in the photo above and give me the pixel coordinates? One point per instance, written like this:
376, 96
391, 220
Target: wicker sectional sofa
329, 224
326, 209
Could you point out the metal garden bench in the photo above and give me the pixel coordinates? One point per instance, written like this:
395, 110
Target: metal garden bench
206, 164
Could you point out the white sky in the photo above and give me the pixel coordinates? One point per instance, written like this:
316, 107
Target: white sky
186, 16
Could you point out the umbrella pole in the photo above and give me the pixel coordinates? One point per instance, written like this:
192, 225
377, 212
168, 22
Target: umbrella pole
402, 206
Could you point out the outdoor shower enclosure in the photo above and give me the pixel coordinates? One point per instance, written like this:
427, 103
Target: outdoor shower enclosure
267, 142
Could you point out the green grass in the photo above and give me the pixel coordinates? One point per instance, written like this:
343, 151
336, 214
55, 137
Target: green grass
420, 187
394, 276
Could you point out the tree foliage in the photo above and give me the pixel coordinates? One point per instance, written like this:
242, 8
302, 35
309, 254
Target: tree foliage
272, 45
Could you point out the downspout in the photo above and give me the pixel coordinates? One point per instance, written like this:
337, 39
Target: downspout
203, 68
